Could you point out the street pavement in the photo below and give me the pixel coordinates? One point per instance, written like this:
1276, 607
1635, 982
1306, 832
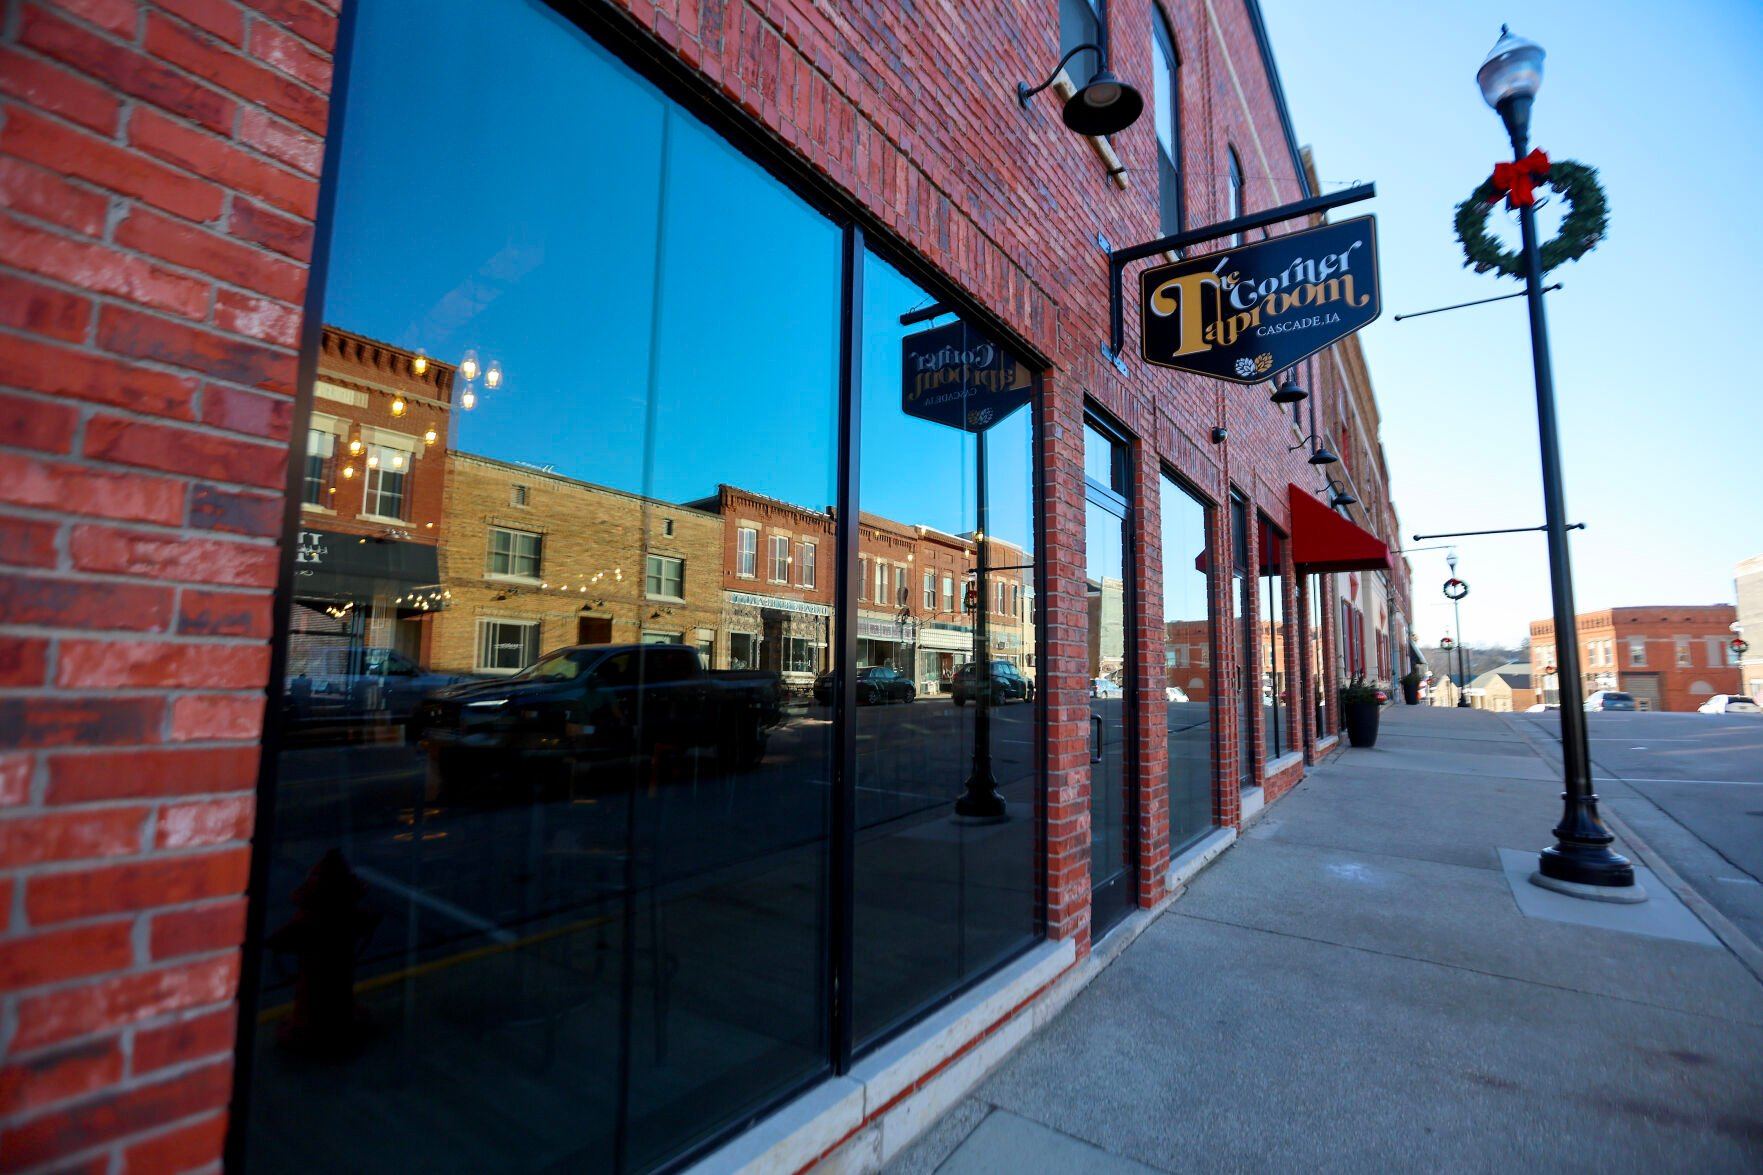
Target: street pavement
1353, 986
1691, 786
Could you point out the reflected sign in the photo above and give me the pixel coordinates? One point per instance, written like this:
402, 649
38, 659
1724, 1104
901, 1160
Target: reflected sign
955, 375
1245, 313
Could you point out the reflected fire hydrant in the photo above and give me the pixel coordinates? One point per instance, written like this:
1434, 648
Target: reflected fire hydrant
325, 935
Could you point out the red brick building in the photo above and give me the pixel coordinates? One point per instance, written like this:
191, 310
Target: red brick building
1669, 656
626, 946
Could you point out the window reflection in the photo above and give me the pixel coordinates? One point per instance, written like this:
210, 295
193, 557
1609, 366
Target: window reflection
1187, 664
1275, 706
548, 866
1109, 603
947, 730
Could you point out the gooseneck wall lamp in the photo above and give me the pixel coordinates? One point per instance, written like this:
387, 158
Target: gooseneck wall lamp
1320, 454
1341, 495
1104, 105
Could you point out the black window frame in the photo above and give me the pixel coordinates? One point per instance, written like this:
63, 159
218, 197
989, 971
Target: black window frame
1171, 199
861, 228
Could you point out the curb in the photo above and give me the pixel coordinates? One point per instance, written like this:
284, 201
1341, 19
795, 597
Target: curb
1730, 936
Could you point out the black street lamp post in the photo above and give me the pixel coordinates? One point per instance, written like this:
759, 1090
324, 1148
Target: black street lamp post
1580, 861
1456, 598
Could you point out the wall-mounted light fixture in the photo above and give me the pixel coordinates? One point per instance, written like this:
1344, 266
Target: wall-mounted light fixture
1104, 105
1320, 454
1289, 390
1340, 495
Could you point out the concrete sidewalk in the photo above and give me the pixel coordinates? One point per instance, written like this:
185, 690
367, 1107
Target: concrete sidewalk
1354, 986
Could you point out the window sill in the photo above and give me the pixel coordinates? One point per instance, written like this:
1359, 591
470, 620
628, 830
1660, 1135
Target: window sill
385, 518
664, 599
522, 580
315, 508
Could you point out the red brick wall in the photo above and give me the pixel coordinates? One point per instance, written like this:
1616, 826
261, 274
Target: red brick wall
158, 170
157, 167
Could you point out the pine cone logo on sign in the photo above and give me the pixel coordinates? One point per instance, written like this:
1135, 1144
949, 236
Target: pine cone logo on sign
1244, 312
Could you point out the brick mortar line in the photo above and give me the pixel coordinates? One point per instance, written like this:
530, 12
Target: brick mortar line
212, 42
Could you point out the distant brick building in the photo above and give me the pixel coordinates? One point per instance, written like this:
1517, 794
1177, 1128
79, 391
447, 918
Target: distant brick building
1669, 656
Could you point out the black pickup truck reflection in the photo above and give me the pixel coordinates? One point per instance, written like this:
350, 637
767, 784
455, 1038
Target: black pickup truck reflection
580, 714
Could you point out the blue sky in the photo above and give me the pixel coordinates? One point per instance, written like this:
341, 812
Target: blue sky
1661, 414
520, 211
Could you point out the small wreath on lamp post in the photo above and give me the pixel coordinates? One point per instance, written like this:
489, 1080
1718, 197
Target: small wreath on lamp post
1587, 219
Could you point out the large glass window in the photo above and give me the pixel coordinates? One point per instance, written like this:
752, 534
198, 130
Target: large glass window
532, 889
947, 795
1108, 600
1242, 605
1275, 705
1079, 25
315, 484
1315, 591
549, 872
1187, 664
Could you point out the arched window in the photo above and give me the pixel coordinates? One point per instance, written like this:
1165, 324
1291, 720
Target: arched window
1166, 103
1236, 189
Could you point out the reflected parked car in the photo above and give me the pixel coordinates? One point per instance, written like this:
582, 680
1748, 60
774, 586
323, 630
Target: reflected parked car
1730, 704
356, 683
876, 685
1609, 699
1006, 682
1101, 687
590, 706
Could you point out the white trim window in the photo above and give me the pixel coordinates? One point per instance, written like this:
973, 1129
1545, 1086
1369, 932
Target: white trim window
779, 561
747, 552
809, 552
948, 593
321, 447
506, 646
517, 554
881, 582
1684, 657
388, 482
930, 591
664, 577
863, 579
1637, 650
901, 597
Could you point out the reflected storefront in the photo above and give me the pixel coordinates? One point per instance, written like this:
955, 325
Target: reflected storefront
607, 827
1187, 663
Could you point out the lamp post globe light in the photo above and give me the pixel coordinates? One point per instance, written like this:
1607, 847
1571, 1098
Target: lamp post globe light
1580, 862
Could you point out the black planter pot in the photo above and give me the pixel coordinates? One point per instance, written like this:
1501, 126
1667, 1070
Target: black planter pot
1411, 693
1362, 723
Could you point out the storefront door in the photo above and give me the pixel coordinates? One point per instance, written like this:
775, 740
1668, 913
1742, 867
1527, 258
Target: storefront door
1107, 539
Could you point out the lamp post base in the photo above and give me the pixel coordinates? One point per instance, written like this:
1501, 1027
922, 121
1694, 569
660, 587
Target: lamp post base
1587, 871
981, 803
1628, 895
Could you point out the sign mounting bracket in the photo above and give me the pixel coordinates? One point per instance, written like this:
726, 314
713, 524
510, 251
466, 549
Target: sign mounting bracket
1119, 259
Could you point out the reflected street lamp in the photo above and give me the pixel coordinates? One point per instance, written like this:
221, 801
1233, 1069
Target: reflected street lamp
1580, 862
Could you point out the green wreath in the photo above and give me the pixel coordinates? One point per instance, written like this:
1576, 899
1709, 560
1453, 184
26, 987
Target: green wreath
1587, 219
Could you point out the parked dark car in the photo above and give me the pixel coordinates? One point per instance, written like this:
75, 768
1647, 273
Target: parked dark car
1609, 699
1006, 682
354, 684
593, 709
876, 685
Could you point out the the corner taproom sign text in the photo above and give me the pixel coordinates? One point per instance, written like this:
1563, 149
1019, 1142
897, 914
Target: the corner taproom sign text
955, 375
1245, 313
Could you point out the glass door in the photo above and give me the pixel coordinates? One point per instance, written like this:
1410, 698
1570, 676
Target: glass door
1107, 540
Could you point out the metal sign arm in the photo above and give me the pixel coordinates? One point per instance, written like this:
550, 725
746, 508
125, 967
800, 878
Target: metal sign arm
1119, 259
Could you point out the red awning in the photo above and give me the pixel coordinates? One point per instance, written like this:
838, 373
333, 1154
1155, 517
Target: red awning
1324, 541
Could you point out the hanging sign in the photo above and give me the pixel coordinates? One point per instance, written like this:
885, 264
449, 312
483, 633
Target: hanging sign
1245, 313
955, 375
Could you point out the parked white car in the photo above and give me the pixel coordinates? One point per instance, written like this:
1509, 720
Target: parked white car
1729, 704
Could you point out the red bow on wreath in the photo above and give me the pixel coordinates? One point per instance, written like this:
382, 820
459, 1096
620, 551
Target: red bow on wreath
1518, 180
